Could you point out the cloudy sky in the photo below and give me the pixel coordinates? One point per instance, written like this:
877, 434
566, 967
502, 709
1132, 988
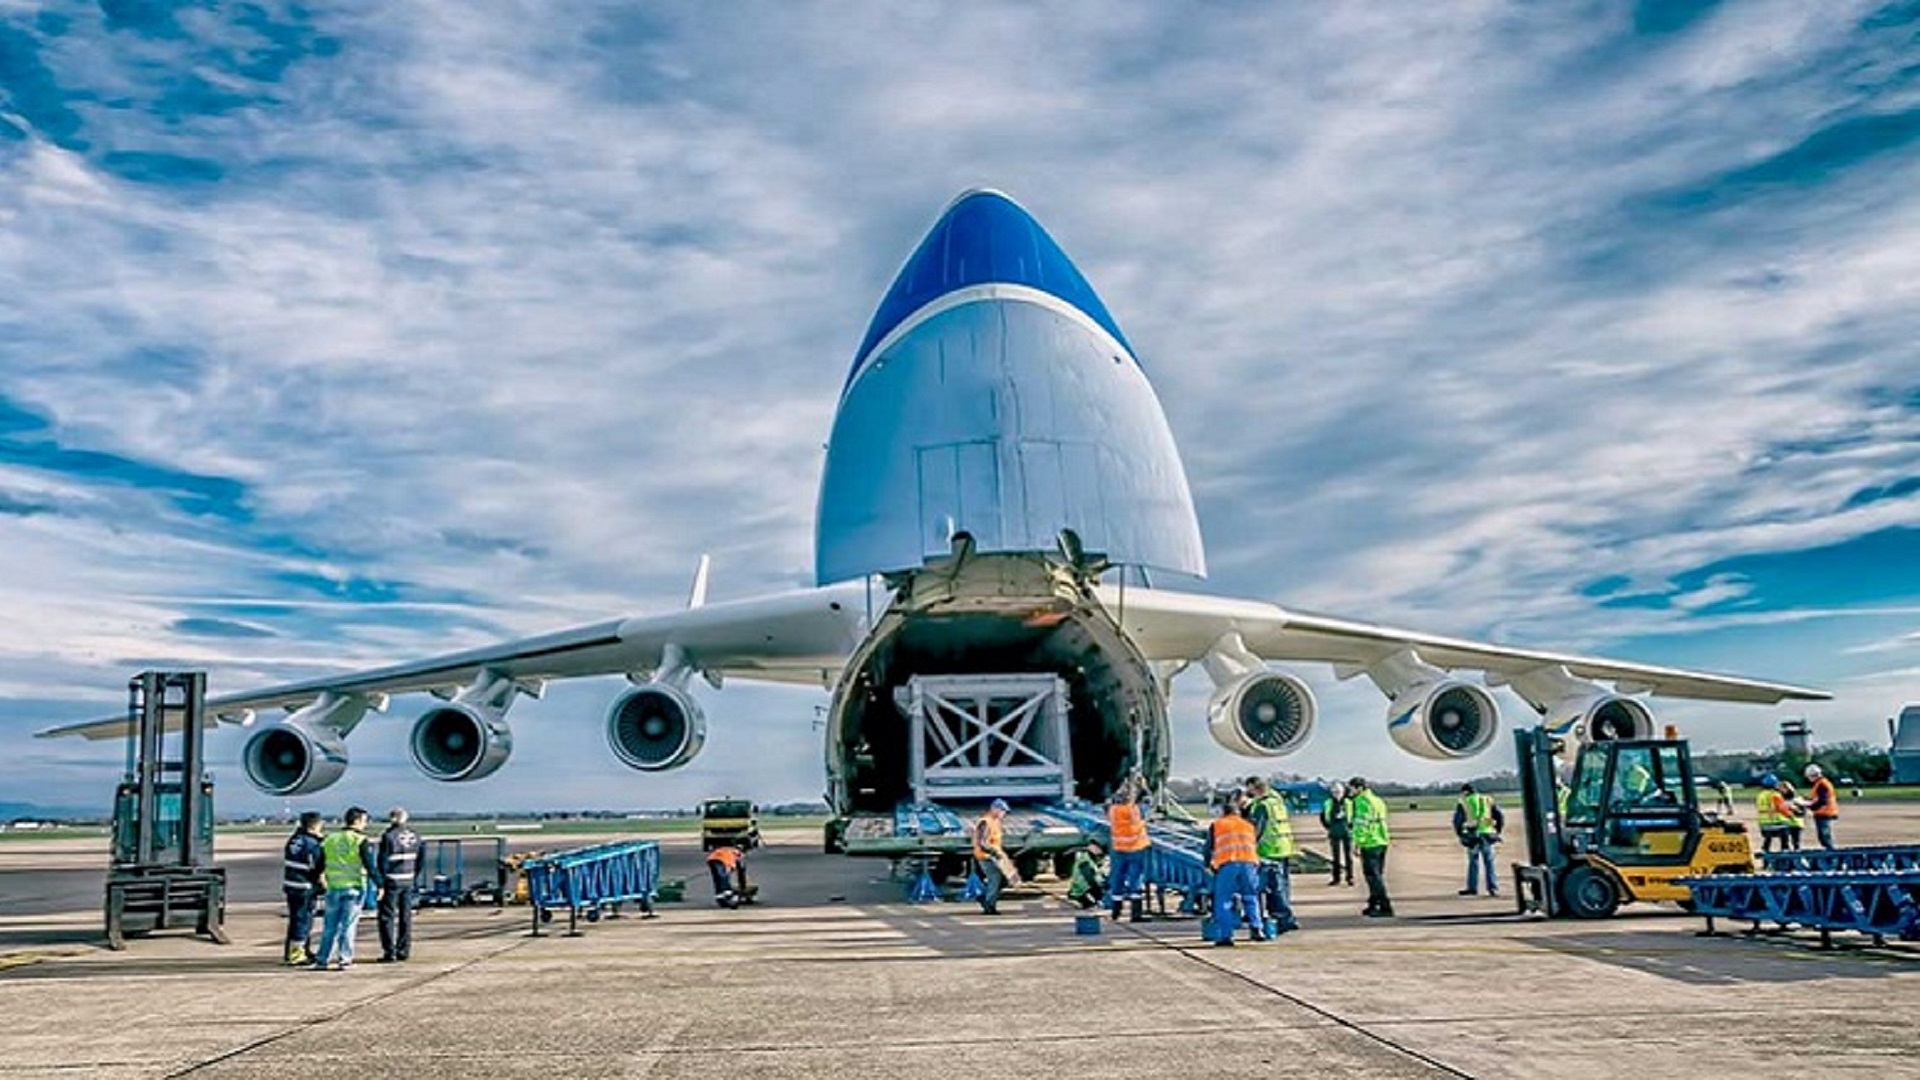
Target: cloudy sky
340, 334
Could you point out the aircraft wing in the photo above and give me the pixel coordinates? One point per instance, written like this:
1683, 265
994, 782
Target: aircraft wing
1175, 626
800, 638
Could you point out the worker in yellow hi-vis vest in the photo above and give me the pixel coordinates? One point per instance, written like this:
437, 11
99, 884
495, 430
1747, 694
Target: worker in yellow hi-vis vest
1273, 827
1477, 821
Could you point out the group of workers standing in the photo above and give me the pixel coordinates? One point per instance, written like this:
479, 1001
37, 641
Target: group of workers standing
1249, 846
1779, 810
345, 872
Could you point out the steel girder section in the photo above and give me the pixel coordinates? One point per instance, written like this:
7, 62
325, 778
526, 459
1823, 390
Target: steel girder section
1821, 860
590, 879
1878, 903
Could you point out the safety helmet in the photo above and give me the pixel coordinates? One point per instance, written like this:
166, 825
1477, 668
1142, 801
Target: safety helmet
1000, 805
1769, 780
1813, 772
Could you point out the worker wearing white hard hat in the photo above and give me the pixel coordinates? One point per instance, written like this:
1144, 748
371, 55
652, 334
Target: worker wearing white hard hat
1823, 805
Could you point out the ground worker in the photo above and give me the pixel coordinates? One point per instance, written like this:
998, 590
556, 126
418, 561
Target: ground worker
728, 867
346, 868
1795, 824
1637, 782
1723, 792
1775, 815
300, 883
1127, 829
990, 857
1273, 832
399, 863
1477, 821
1370, 839
1824, 804
1336, 816
1232, 852
1087, 885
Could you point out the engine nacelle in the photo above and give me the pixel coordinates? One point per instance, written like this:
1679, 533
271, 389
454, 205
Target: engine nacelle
460, 741
293, 758
1443, 720
1599, 718
656, 727
1267, 714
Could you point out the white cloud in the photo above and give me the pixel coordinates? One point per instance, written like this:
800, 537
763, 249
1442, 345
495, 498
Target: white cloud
580, 293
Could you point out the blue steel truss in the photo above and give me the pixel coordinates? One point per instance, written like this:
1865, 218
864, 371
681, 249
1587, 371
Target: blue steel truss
1882, 903
1174, 862
591, 880
1893, 857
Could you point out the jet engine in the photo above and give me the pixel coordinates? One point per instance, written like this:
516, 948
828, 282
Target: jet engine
291, 758
460, 741
656, 727
1599, 717
306, 752
1443, 719
1266, 714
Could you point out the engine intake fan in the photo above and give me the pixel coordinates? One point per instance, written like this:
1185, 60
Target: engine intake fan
656, 727
1268, 714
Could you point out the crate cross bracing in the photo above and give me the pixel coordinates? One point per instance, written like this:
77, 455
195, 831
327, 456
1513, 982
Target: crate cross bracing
988, 736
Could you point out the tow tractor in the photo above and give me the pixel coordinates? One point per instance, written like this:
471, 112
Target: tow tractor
1629, 828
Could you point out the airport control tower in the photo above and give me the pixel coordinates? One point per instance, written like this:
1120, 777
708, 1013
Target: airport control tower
1797, 737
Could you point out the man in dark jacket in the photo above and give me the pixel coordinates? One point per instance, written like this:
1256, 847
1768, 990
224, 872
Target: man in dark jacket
399, 863
300, 883
1336, 816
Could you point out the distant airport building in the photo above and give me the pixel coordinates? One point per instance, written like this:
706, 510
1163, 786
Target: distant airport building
1796, 737
1906, 746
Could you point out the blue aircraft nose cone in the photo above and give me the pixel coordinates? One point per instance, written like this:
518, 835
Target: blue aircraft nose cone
994, 396
984, 238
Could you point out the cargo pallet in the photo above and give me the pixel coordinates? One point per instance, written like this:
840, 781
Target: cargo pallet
593, 881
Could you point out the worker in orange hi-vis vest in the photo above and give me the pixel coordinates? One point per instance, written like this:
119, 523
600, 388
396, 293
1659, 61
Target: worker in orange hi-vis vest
1823, 804
1233, 853
1127, 829
728, 866
990, 856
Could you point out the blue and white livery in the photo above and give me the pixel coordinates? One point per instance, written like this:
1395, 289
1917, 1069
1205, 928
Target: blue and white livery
997, 456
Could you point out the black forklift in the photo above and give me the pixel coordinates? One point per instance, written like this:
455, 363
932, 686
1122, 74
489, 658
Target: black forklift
1625, 828
162, 873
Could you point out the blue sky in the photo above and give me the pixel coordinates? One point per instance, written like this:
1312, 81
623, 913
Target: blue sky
337, 334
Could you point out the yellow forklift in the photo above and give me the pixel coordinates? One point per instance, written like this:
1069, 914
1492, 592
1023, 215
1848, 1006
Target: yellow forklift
1624, 830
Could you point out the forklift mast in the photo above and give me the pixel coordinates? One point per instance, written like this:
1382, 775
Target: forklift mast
1539, 797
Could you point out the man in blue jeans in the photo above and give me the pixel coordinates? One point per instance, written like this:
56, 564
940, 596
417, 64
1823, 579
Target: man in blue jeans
347, 869
1232, 853
1477, 821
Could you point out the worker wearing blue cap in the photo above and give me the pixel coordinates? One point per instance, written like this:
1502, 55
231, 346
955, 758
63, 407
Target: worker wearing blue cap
1775, 814
990, 857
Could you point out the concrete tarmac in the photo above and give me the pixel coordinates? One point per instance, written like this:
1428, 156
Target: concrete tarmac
834, 976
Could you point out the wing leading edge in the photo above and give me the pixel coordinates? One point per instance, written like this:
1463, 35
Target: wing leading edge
799, 638
1175, 626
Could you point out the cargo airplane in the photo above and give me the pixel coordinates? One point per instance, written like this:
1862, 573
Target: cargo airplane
999, 483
